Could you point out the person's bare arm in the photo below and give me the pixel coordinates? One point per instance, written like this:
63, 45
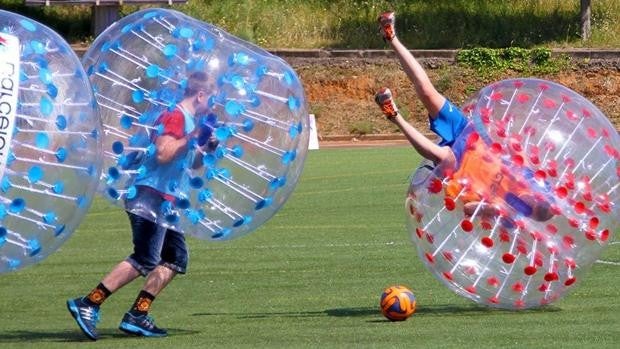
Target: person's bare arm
169, 147
424, 146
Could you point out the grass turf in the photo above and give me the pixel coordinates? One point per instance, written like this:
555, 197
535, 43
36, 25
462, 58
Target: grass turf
311, 277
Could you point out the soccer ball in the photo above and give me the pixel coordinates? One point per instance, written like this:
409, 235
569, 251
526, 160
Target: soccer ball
397, 303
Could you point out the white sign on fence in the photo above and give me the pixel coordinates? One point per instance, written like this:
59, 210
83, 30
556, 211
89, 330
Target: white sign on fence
313, 142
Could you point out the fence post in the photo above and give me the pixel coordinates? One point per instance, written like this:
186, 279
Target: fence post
103, 16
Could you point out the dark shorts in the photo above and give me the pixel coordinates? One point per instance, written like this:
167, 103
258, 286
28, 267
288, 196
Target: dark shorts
153, 244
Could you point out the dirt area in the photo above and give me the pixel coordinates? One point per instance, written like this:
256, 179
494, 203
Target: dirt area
340, 91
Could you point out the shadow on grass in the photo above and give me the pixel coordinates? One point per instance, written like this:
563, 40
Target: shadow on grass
73, 336
432, 310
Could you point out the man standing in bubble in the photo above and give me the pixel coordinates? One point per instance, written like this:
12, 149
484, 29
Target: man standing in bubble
160, 253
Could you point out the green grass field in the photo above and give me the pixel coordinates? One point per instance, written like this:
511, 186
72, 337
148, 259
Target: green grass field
311, 277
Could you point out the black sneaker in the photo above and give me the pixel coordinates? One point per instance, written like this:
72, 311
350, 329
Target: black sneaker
86, 316
141, 325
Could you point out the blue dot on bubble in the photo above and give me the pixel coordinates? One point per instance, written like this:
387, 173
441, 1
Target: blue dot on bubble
234, 108
293, 103
150, 14
222, 133
28, 25
152, 71
126, 121
132, 191
41, 140
52, 90
118, 147
137, 96
186, 32
34, 246
46, 106
293, 131
126, 28
61, 154
113, 193
49, 217
170, 50
17, 205
45, 76
37, 47
35, 173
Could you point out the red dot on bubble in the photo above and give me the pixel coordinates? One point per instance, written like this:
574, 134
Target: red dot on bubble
540, 175
449, 204
571, 115
487, 242
518, 287
573, 222
435, 186
579, 207
605, 235
504, 236
552, 228
430, 238
471, 270
412, 210
518, 160
590, 234
493, 281
447, 275
570, 281
593, 224
419, 232
467, 225
429, 258
448, 256
568, 241
552, 276
530, 270
508, 258
486, 225
570, 263
549, 103
519, 303
471, 289
496, 148
543, 288
493, 300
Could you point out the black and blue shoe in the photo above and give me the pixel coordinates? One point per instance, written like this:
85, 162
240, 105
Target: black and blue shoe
86, 315
141, 325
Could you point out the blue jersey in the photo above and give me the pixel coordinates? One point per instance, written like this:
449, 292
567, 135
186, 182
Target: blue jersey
448, 124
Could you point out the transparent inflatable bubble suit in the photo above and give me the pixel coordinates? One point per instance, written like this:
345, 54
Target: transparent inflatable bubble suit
542, 194
257, 123
50, 150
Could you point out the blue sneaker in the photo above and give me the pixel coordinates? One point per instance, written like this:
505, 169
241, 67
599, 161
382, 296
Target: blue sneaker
141, 325
86, 316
